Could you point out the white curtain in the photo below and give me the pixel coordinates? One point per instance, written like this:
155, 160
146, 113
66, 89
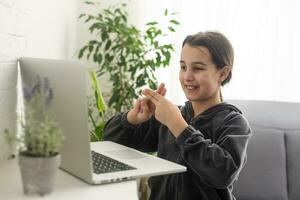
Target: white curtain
265, 35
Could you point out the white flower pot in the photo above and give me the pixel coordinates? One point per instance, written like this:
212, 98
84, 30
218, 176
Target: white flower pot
38, 173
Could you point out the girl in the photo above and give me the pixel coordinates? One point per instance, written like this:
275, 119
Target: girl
206, 135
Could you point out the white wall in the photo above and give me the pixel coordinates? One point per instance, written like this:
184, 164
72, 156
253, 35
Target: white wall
33, 28
12, 40
38, 28
8, 102
51, 28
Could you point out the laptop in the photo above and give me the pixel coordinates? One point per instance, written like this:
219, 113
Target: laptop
97, 162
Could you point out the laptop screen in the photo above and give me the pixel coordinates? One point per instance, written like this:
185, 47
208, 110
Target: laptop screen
68, 81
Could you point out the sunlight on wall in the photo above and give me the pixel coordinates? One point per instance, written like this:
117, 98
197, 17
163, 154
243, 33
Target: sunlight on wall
266, 40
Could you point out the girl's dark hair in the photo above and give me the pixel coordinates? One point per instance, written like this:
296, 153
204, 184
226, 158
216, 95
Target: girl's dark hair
218, 46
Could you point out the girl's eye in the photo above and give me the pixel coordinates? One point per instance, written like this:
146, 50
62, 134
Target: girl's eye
198, 69
182, 67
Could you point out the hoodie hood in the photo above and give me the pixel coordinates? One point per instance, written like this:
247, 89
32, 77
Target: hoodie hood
188, 111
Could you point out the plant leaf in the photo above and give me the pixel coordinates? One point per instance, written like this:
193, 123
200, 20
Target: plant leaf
108, 43
171, 29
81, 15
98, 94
173, 21
151, 23
81, 52
89, 2
166, 12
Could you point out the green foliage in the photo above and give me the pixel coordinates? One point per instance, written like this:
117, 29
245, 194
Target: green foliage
128, 55
41, 134
96, 110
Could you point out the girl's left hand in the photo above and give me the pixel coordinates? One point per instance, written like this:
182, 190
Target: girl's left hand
166, 112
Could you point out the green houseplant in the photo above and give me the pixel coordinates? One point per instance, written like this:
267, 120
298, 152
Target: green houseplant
126, 54
40, 141
96, 109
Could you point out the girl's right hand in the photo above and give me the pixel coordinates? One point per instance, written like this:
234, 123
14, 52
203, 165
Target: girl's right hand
143, 108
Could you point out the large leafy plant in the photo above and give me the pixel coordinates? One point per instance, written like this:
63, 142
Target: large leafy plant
129, 56
41, 134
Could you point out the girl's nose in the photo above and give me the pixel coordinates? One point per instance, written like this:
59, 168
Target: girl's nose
188, 75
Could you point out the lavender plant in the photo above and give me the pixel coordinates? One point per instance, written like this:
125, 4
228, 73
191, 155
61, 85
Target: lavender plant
41, 134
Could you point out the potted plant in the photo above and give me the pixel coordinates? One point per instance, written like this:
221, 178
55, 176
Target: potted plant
40, 140
128, 56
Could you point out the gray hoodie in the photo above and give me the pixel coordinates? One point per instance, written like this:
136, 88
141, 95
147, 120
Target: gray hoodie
212, 147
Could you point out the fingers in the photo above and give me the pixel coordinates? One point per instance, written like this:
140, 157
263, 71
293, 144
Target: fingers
163, 92
151, 106
160, 88
137, 105
151, 95
144, 107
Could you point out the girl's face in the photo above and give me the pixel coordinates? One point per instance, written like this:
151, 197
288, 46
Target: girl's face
199, 77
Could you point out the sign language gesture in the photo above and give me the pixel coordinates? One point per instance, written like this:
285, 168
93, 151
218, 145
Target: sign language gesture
166, 112
144, 108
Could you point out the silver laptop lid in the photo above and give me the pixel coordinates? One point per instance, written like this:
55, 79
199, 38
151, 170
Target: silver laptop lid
67, 81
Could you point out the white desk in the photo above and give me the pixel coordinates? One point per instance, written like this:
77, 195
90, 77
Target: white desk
66, 187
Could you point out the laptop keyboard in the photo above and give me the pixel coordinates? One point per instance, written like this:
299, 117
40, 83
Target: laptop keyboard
104, 164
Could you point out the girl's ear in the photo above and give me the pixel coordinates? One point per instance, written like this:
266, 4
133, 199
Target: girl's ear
224, 73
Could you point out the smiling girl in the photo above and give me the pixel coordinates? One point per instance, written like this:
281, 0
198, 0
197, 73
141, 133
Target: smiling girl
206, 135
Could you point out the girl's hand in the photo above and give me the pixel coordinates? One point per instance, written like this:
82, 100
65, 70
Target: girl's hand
166, 112
143, 108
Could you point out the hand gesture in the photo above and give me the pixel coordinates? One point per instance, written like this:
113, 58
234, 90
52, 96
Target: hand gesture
166, 112
143, 108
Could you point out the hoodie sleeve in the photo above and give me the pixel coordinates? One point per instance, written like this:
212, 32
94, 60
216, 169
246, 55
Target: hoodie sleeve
143, 137
217, 164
